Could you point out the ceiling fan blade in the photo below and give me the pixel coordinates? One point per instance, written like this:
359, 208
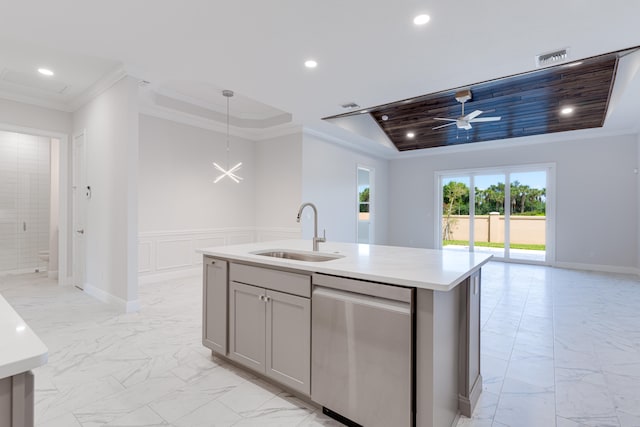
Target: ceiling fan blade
444, 119
444, 126
473, 115
486, 119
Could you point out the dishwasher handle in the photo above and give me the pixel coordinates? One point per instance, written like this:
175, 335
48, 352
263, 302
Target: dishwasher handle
363, 300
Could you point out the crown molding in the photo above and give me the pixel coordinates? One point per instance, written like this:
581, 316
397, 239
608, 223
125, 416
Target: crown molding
502, 144
30, 100
105, 82
202, 123
332, 139
108, 80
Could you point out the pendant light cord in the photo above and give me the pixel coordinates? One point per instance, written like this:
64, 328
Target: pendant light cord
227, 133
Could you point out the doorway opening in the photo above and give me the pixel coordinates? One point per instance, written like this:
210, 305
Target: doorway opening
507, 212
29, 203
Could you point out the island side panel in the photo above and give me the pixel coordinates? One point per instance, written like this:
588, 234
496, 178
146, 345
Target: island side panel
437, 353
470, 379
17, 400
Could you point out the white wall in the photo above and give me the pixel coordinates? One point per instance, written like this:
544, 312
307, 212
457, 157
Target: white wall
111, 124
176, 189
180, 208
596, 190
278, 187
329, 180
33, 117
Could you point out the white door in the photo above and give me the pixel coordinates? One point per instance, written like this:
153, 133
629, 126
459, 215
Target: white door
79, 194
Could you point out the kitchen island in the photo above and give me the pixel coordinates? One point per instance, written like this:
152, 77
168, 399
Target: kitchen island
20, 351
376, 335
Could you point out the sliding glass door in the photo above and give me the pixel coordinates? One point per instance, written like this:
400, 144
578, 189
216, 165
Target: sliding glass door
478, 214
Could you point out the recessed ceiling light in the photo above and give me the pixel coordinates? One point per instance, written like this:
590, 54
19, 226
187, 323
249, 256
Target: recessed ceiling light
410, 135
310, 63
45, 71
567, 110
364, 111
421, 19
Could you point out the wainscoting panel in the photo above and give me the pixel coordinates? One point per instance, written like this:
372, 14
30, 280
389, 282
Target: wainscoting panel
205, 242
145, 251
172, 253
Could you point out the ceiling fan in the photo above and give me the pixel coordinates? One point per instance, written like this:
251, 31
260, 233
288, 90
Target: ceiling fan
464, 122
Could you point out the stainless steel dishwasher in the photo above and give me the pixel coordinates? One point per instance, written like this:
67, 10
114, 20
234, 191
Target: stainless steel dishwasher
361, 351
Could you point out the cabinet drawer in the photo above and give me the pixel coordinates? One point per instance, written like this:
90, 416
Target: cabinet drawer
283, 281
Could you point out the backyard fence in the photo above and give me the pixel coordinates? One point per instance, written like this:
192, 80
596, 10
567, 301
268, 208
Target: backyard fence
490, 228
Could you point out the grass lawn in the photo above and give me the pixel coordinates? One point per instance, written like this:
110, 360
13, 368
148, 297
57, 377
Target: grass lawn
494, 245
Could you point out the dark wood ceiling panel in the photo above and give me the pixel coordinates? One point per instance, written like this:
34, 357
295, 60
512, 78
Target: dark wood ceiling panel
528, 104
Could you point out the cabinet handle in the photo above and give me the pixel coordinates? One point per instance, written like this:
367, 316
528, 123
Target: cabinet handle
267, 299
261, 297
213, 263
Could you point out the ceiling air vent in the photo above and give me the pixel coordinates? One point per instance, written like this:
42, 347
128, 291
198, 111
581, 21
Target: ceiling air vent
550, 58
350, 105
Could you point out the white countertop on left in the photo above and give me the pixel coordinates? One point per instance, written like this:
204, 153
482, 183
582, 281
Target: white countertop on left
421, 268
20, 348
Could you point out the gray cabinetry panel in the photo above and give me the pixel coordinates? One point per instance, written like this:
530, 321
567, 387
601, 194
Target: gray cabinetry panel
16, 400
214, 315
270, 331
288, 340
470, 379
247, 310
283, 281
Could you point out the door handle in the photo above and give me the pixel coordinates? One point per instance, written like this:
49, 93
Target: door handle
81, 231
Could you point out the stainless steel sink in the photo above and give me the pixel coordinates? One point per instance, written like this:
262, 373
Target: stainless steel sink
298, 256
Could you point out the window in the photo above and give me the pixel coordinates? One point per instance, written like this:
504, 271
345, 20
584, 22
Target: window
364, 204
479, 212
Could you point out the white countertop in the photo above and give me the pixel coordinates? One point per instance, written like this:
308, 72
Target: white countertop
414, 267
20, 348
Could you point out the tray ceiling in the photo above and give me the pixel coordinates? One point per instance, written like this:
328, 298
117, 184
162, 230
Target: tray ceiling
528, 104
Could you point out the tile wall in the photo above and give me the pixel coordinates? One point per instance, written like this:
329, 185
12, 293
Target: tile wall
24, 201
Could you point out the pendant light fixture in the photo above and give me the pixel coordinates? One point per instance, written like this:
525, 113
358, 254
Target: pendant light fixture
230, 172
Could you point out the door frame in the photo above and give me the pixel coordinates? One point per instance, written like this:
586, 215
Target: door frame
79, 282
550, 233
64, 260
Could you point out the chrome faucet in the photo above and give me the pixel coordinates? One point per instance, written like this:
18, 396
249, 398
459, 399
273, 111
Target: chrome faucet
316, 239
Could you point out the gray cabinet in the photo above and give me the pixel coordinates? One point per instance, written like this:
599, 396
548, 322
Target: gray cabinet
247, 325
214, 313
16, 400
269, 330
289, 340
470, 379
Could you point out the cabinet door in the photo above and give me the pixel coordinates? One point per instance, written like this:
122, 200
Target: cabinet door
214, 313
289, 340
247, 309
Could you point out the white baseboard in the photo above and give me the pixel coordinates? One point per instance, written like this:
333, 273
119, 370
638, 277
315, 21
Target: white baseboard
99, 294
169, 275
598, 267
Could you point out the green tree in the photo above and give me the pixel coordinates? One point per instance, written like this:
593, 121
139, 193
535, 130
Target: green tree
455, 200
364, 200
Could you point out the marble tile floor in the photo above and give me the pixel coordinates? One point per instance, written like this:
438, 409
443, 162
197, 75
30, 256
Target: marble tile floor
559, 348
